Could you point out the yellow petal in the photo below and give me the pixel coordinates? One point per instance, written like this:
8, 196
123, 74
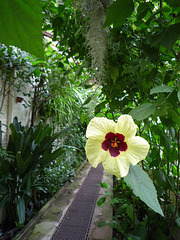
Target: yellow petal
117, 166
98, 127
137, 149
126, 126
94, 152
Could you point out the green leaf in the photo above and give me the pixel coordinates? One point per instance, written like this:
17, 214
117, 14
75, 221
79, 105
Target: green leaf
178, 221
83, 117
143, 111
21, 210
16, 124
165, 141
20, 163
87, 100
101, 224
99, 107
5, 166
168, 36
115, 200
173, 3
133, 237
21, 25
1, 133
118, 12
178, 94
105, 185
48, 157
116, 225
143, 187
4, 201
152, 53
114, 73
16, 141
142, 11
101, 201
160, 177
161, 111
161, 89
129, 211
174, 115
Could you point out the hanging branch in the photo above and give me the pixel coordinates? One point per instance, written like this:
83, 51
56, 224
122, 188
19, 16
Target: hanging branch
6, 88
178, 176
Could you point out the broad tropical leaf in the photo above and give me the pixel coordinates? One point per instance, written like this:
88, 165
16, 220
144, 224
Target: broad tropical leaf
161, 89
118, 12
21, 25
143, 187
143, 111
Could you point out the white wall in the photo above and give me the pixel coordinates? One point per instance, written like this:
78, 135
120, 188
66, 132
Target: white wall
12, 108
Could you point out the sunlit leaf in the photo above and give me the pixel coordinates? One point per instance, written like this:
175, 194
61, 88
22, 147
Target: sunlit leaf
161, 89
143, 111
21, 25
101, 201
105, 185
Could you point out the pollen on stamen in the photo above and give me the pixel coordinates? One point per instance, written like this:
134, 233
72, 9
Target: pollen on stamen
114, 144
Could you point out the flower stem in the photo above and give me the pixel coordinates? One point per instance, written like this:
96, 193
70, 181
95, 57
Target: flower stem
133, 211
178, 165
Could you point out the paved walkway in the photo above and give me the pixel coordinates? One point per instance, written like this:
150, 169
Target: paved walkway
76, 223
73, 214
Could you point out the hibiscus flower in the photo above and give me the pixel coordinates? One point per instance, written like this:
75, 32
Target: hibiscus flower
115, 144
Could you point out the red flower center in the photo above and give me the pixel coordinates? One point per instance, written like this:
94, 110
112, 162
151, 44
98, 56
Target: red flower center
115, 143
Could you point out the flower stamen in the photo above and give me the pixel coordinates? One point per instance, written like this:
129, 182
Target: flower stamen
114, 144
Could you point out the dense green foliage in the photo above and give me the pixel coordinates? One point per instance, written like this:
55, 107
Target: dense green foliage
135, 72
31, 150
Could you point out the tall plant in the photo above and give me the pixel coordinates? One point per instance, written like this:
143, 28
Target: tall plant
31, 150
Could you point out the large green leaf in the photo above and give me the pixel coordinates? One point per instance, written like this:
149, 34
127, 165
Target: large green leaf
118, 12
173, 3
143, 111
161, 89
143, 187
174, 115
21, 25
167, 36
